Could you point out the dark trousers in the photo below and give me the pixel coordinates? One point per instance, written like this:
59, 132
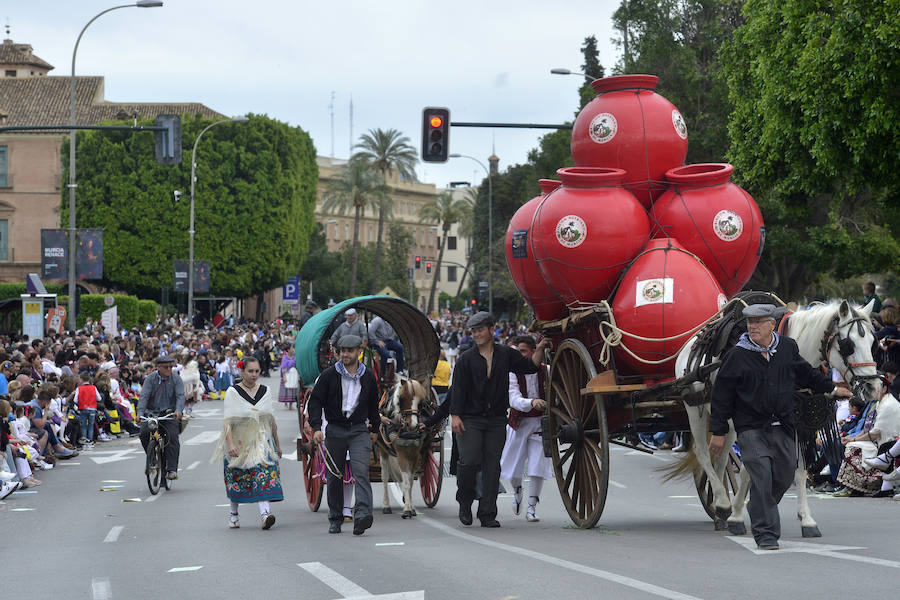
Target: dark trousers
389, 345
173, 447
480, 447
770, 456
338, 441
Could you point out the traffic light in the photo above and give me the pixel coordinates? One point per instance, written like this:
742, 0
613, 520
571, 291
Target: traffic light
472, 302
428, 267
418, 262
435, 134
168, 142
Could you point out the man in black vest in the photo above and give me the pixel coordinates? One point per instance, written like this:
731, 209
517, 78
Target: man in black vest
479, 397
348, 395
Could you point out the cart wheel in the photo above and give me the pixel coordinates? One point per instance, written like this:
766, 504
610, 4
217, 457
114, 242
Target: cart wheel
729, 480
313, 469
579, 442
432, 475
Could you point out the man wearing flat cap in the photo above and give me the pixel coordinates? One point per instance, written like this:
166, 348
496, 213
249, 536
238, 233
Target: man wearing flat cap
347, 393
754, 389
479, 401
308, 311
163, 391
352, 326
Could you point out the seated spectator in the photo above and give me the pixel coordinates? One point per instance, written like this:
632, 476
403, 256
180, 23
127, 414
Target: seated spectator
41, 423
858, 477
888, 338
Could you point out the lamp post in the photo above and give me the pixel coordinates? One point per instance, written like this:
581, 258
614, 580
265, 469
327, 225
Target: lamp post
191, 229
490, 229
138, 4
561, 71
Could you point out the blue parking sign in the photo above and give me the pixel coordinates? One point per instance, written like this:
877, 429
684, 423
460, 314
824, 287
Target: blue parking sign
291, 289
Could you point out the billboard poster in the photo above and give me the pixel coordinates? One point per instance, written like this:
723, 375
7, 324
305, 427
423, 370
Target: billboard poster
56, 317
89, 254
201, 276
109, 318
54, 253
33, 318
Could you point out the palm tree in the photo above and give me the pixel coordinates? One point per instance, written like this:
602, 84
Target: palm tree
354, 187
445, 210
387, 151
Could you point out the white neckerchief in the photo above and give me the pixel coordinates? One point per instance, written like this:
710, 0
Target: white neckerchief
350, 387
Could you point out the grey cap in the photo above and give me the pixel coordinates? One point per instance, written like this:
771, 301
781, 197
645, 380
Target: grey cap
350, 311
311, 304
480, 319
164, 360
764, 310
349, 341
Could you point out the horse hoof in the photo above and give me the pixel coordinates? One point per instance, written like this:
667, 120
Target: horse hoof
721, 525
414, 513
407, 514
737, 528
386, 510
809, 532
723, 513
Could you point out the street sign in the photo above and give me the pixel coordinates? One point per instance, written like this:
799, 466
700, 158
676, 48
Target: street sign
109, 301
291, 289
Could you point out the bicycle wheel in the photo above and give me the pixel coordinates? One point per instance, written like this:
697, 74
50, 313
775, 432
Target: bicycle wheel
167, 483
154, 468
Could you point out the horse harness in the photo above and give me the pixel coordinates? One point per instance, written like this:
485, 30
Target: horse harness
391, 433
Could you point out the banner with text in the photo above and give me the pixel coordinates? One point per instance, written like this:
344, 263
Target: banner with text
201, 276
54, 253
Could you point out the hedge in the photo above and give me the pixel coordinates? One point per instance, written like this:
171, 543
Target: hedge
132, 311
148, 311
14, 290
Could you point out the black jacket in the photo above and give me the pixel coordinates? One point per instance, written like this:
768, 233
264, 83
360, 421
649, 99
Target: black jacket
327, 394
754, 392
473, 393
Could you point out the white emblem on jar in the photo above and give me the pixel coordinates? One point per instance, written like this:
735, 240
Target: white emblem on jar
571, 231
728, 225
680, 125
603, 128
654, 291
721, 301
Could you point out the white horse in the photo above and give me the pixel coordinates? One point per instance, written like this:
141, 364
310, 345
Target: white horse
400, 451
833, 335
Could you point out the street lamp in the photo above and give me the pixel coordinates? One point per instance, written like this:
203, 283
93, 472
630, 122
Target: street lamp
139, 4
561, 71
191, 229
490, 230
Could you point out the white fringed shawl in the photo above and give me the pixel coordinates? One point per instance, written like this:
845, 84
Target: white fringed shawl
251, 431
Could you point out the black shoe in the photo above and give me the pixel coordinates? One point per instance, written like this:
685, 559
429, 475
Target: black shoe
490, 523
465, 515
334, 527
360, 525
882, 494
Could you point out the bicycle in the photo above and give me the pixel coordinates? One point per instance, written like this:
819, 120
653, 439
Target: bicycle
155, 453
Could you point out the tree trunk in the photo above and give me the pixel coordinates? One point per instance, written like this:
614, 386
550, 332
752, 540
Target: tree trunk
378, 248
355, 260
434, 276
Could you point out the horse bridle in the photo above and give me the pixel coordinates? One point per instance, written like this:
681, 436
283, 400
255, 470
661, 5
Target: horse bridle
845, 348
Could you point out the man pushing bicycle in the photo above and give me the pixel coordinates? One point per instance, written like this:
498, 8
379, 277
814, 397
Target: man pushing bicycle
163, 391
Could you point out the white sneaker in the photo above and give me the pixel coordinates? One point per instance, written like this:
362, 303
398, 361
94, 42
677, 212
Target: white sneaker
892, 476
529, 514
104, 438
517, 500
44, 466
8, 488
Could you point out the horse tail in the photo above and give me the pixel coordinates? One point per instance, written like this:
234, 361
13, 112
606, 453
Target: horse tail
684, 467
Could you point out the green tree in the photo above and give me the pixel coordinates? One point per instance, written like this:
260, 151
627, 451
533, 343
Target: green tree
255, 197
387, 151
354, 187
815, 135
591, 68
445, 210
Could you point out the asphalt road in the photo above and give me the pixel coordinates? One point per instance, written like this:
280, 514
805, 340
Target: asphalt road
93, 531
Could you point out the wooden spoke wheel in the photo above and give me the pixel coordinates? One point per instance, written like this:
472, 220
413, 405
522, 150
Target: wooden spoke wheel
729, 479
432, 475
310, 457
579, 441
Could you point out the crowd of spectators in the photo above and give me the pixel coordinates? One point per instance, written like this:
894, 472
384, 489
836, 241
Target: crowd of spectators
62, 394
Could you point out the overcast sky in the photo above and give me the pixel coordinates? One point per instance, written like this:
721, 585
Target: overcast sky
486, 61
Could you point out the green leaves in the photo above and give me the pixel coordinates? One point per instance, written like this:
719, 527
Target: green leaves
254, 199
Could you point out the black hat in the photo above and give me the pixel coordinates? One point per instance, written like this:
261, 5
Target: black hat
349, 341
480, 319
764, 310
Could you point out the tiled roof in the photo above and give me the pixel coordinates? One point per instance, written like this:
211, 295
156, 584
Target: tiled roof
45, 101
20, 54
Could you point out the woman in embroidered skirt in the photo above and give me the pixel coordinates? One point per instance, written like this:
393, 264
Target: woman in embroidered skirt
249, 446
290, 380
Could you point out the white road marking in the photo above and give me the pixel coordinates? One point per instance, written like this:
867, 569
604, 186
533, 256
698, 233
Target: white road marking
100, 588
348, 589
682, 496
559, 562
131, 499
25, 492
222, 505
391, 544
153, 498
819, 549
114, 481
204, 437
113, 534
21, 509
291, 456
68, 463
194, 465
115, 455
617, 484
183, 569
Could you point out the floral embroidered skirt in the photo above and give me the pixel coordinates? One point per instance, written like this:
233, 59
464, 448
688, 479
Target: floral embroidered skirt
286, 394
258, 484
857, 475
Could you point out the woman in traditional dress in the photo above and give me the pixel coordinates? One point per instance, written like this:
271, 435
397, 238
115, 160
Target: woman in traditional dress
289, 378
249, 446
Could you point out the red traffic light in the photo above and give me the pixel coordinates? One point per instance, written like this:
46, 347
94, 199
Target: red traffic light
472, 302
428, 267
418, 262
436, 121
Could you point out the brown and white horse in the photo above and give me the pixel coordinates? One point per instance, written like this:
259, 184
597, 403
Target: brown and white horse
400, 442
